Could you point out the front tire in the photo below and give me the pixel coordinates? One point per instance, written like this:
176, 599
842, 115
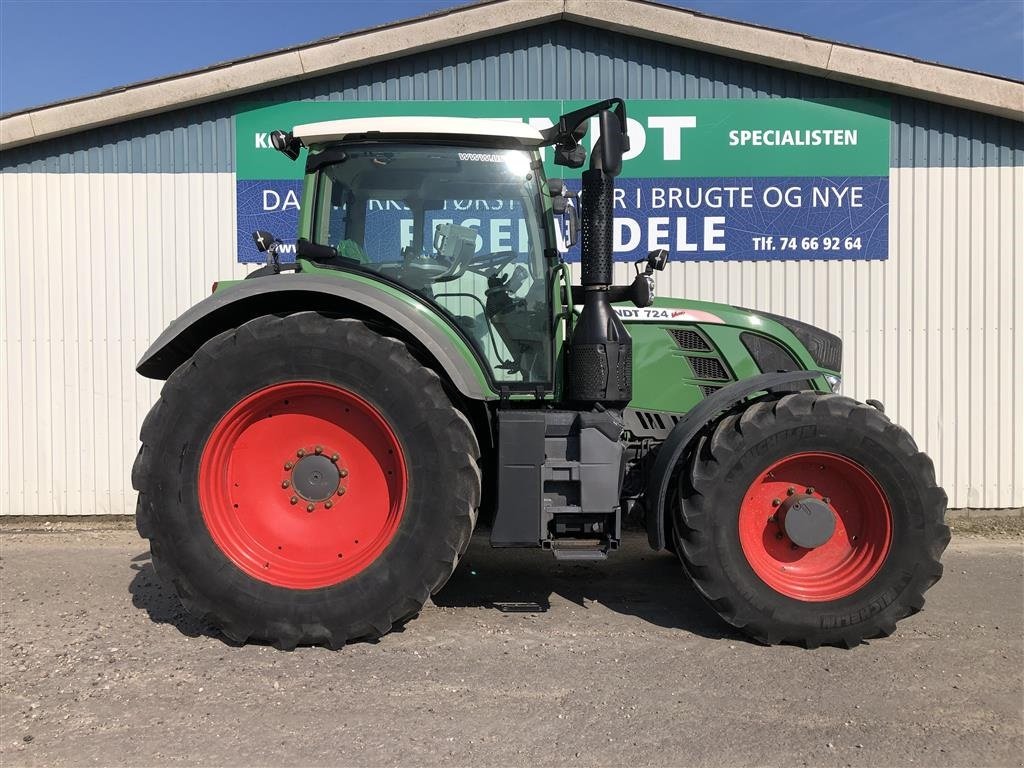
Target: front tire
304, 480
834, 475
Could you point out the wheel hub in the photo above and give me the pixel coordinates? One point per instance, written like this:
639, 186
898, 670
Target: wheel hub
809, 522
315, 478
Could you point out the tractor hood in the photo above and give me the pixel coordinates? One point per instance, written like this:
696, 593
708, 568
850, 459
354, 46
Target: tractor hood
816, 347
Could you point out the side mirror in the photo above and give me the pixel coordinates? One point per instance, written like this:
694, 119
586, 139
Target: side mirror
264, 240
612, 143
560, 205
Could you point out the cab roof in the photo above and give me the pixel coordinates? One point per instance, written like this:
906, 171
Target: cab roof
470, 127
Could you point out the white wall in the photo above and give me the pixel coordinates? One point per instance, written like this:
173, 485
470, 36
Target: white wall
93, 275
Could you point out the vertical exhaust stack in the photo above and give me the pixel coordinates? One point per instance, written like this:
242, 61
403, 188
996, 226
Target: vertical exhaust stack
600, 357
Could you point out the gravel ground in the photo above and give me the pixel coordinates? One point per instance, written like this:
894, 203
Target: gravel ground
521, 660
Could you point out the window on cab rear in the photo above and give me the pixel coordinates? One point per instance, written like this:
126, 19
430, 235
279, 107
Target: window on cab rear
461, 226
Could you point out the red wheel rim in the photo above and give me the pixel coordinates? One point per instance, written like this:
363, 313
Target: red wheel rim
851, 556
302, 485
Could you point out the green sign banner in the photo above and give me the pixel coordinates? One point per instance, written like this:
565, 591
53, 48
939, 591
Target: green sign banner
712, 179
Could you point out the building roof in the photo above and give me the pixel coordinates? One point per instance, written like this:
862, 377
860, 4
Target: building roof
639, 18
332, 130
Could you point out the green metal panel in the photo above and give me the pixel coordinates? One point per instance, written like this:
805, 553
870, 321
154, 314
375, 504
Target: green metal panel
663, 379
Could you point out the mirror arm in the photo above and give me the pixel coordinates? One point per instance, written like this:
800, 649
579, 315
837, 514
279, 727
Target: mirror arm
564, 131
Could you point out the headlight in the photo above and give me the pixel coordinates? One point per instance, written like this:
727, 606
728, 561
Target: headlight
833, 381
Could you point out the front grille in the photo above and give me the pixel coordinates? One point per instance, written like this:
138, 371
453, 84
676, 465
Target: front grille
691, 341
653, 420
707, 368
769, 355
772, 357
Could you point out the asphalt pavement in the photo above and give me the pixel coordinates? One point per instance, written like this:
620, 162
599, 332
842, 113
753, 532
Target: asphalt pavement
520, 660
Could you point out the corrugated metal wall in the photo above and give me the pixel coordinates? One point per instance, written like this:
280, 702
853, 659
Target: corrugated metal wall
114, 258
128, 225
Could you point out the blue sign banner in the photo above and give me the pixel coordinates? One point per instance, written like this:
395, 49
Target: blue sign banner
706, 179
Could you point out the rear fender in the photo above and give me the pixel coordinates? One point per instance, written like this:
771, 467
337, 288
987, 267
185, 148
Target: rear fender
346, 297
687, 429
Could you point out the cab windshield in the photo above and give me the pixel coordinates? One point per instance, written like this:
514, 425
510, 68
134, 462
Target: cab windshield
462, 226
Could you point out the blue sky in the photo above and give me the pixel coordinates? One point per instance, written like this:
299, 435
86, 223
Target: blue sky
56, 49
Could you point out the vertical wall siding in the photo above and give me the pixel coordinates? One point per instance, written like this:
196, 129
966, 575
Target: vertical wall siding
108, 276
934, 332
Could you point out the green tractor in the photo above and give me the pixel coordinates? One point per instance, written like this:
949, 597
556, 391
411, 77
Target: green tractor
331, 428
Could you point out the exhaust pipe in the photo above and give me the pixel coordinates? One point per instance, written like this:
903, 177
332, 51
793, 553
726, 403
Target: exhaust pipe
600, 356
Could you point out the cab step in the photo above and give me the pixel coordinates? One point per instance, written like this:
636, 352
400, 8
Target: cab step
580, 549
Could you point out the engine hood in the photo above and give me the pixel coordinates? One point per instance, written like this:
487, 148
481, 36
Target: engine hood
823, 348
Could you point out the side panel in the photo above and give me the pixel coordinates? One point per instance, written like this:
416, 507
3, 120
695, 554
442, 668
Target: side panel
684, 351
559, 480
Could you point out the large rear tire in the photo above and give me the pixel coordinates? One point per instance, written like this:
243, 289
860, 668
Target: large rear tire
812, 519
304, 480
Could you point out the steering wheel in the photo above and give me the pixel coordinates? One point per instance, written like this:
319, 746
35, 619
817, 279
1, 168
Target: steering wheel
498, 260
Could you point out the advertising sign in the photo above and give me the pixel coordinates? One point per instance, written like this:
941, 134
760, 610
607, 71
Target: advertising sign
708, 179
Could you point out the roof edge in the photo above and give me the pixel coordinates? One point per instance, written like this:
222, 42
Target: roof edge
786, 50
883, 71
360, 48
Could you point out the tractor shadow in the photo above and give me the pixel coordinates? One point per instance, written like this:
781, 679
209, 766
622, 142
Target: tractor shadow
633, 581
150, 594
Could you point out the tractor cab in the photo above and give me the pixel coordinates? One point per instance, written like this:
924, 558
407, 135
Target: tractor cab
456, 211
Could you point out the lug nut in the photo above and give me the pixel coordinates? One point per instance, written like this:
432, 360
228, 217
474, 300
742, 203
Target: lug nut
300, 453
285, 483
343, 472
288, 465
778, 535
310, 507
776, 502
335, 457
294, 499
772, 519
827, 500
793, 546
318, 450
810, 489
328, 504
341, 491
790, 491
